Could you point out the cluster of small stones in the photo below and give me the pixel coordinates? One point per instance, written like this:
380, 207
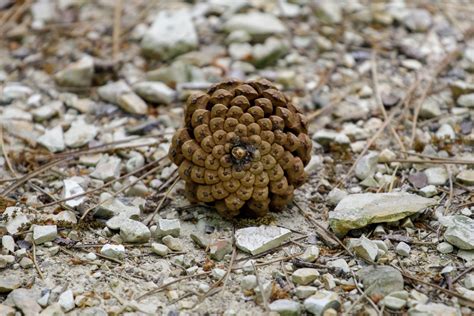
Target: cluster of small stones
244, 147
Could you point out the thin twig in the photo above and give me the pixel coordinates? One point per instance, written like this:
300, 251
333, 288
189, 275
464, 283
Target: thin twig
260, 287
35, 262
117, 29
5, 153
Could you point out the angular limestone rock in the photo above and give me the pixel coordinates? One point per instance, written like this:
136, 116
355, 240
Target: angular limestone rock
256, 240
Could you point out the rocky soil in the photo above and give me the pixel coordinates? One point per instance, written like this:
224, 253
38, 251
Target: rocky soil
93, 219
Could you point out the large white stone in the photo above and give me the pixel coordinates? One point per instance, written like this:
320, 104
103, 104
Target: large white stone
256, 240
53, 139
72, 188
256, 24
79, 134
171, 34
156, 92
316, 304
44, 233
78, 74
360, 210
460, 232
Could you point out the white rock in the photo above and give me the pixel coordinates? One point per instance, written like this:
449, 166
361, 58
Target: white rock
435, 309
78, 74
336, 195
304, 291
417, 20
248, 282
310, 254
8, 243
15, 90
285, 307
53, 139
321, 301
155, 92
16, 219
445, 247
113, 251
44, 233
66, 300
172, 33
159, 249
111, 206
469, 281
134, 163
256, 240
364, 248
466, 100
107, 169
340, 264
134, 232
436, 175
72, 188
12, 113
403, 249
466, 177
167, 227
132, 103
172, 243
256, 24
429, 191
112, 91
79, 134
304, 276
366, 166
446, 132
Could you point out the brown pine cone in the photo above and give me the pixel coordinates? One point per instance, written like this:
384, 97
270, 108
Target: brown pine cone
243, 148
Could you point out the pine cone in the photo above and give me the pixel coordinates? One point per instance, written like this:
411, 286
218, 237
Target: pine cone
243, 148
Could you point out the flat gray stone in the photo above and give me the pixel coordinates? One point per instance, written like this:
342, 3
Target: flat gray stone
111, 207
432, 309
25, 301
167, 227
256, 24
9, 283
364, 248
285, 307
466, 100
172, 33
155, 92
159, 249
360, 210
380, 280
132, 103
16, 219
460, 232
256, 240
78, 74
466, 177
44, 233
172, 243
113, 90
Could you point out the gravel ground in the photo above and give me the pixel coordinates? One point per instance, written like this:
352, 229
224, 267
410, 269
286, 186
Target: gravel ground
93, 218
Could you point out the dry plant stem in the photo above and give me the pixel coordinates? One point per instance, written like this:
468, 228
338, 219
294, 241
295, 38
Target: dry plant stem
32, 174
102, 186
5, 154
437, 162
438, 69
378, 99
367, 146
150, 218
164, 286
463, 274
17, 13
260, 287
35, 262
452, 293
117, 29
102, 148
119, 191
327, 236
